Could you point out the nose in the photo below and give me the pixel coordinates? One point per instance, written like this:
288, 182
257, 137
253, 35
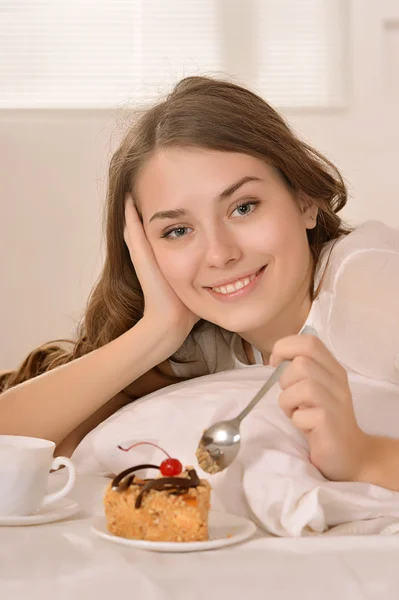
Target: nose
222, 248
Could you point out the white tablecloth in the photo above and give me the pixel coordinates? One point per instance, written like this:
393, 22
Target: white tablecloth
66, 561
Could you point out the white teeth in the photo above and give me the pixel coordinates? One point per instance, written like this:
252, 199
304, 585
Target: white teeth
234, 287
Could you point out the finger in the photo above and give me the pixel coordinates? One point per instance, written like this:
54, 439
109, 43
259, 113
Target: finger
308, 419
310, 346
304, 394
303, 367
141, 252
134, 234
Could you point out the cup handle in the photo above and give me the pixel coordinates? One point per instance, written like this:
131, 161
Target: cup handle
58, 462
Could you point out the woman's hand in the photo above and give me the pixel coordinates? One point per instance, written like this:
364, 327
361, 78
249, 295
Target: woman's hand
162, 308
316, 397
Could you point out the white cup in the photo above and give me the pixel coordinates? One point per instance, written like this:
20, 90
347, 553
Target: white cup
25, 465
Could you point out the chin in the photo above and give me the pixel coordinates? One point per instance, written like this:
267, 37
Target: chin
240, 324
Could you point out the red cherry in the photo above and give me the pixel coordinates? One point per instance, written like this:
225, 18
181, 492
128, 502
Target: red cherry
171, 467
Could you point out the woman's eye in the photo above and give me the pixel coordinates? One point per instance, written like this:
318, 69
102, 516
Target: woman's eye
246, 208
176, 232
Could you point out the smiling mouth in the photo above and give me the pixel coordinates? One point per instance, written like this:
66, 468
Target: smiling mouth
235, 286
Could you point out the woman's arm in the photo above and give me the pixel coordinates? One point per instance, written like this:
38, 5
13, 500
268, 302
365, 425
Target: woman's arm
54, 404
381, 462
146, 384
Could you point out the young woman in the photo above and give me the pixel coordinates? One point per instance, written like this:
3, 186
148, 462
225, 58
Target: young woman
223, 239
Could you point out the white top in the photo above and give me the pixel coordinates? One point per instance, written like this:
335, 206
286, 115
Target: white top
356, 313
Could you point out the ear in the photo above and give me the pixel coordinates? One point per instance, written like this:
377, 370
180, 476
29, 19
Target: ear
309, 212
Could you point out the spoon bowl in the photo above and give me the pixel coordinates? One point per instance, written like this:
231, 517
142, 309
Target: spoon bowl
219, 446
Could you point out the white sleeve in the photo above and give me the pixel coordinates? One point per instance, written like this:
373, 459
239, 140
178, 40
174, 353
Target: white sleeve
363, 321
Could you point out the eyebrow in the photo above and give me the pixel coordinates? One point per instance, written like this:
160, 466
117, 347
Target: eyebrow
181, 212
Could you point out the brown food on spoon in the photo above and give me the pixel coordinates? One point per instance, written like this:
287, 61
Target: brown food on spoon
205, 460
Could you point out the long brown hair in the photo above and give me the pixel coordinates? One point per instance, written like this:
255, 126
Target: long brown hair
211, 114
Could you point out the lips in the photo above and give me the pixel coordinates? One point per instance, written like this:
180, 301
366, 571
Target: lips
237, 284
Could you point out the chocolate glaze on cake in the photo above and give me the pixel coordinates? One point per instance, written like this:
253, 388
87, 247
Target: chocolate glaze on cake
119, 485
175, 485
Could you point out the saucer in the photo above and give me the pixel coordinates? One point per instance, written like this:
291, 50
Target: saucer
224, 530
58, 510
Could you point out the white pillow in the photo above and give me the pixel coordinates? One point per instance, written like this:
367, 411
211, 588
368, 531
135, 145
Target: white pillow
272, 479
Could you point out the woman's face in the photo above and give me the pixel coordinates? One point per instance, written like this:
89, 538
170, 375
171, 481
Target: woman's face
227, 234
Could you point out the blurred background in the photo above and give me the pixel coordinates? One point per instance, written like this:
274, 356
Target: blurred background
72, 73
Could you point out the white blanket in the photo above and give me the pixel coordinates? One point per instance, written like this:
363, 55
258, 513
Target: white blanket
272, 480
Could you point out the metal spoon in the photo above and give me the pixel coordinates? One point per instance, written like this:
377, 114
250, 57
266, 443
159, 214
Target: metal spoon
221, 442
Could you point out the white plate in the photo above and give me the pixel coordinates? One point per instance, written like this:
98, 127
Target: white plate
224, 530
61, 509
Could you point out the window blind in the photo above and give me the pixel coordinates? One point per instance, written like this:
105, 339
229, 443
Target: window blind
116, 53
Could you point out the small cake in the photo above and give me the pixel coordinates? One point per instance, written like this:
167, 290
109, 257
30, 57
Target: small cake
167, 508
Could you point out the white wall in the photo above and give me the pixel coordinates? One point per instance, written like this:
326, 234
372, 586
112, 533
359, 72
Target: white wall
363, 139
53, 171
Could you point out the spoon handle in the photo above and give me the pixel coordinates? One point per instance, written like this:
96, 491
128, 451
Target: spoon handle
274, 377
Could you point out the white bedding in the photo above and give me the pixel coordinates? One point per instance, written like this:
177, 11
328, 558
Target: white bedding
67, 561
272, 480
